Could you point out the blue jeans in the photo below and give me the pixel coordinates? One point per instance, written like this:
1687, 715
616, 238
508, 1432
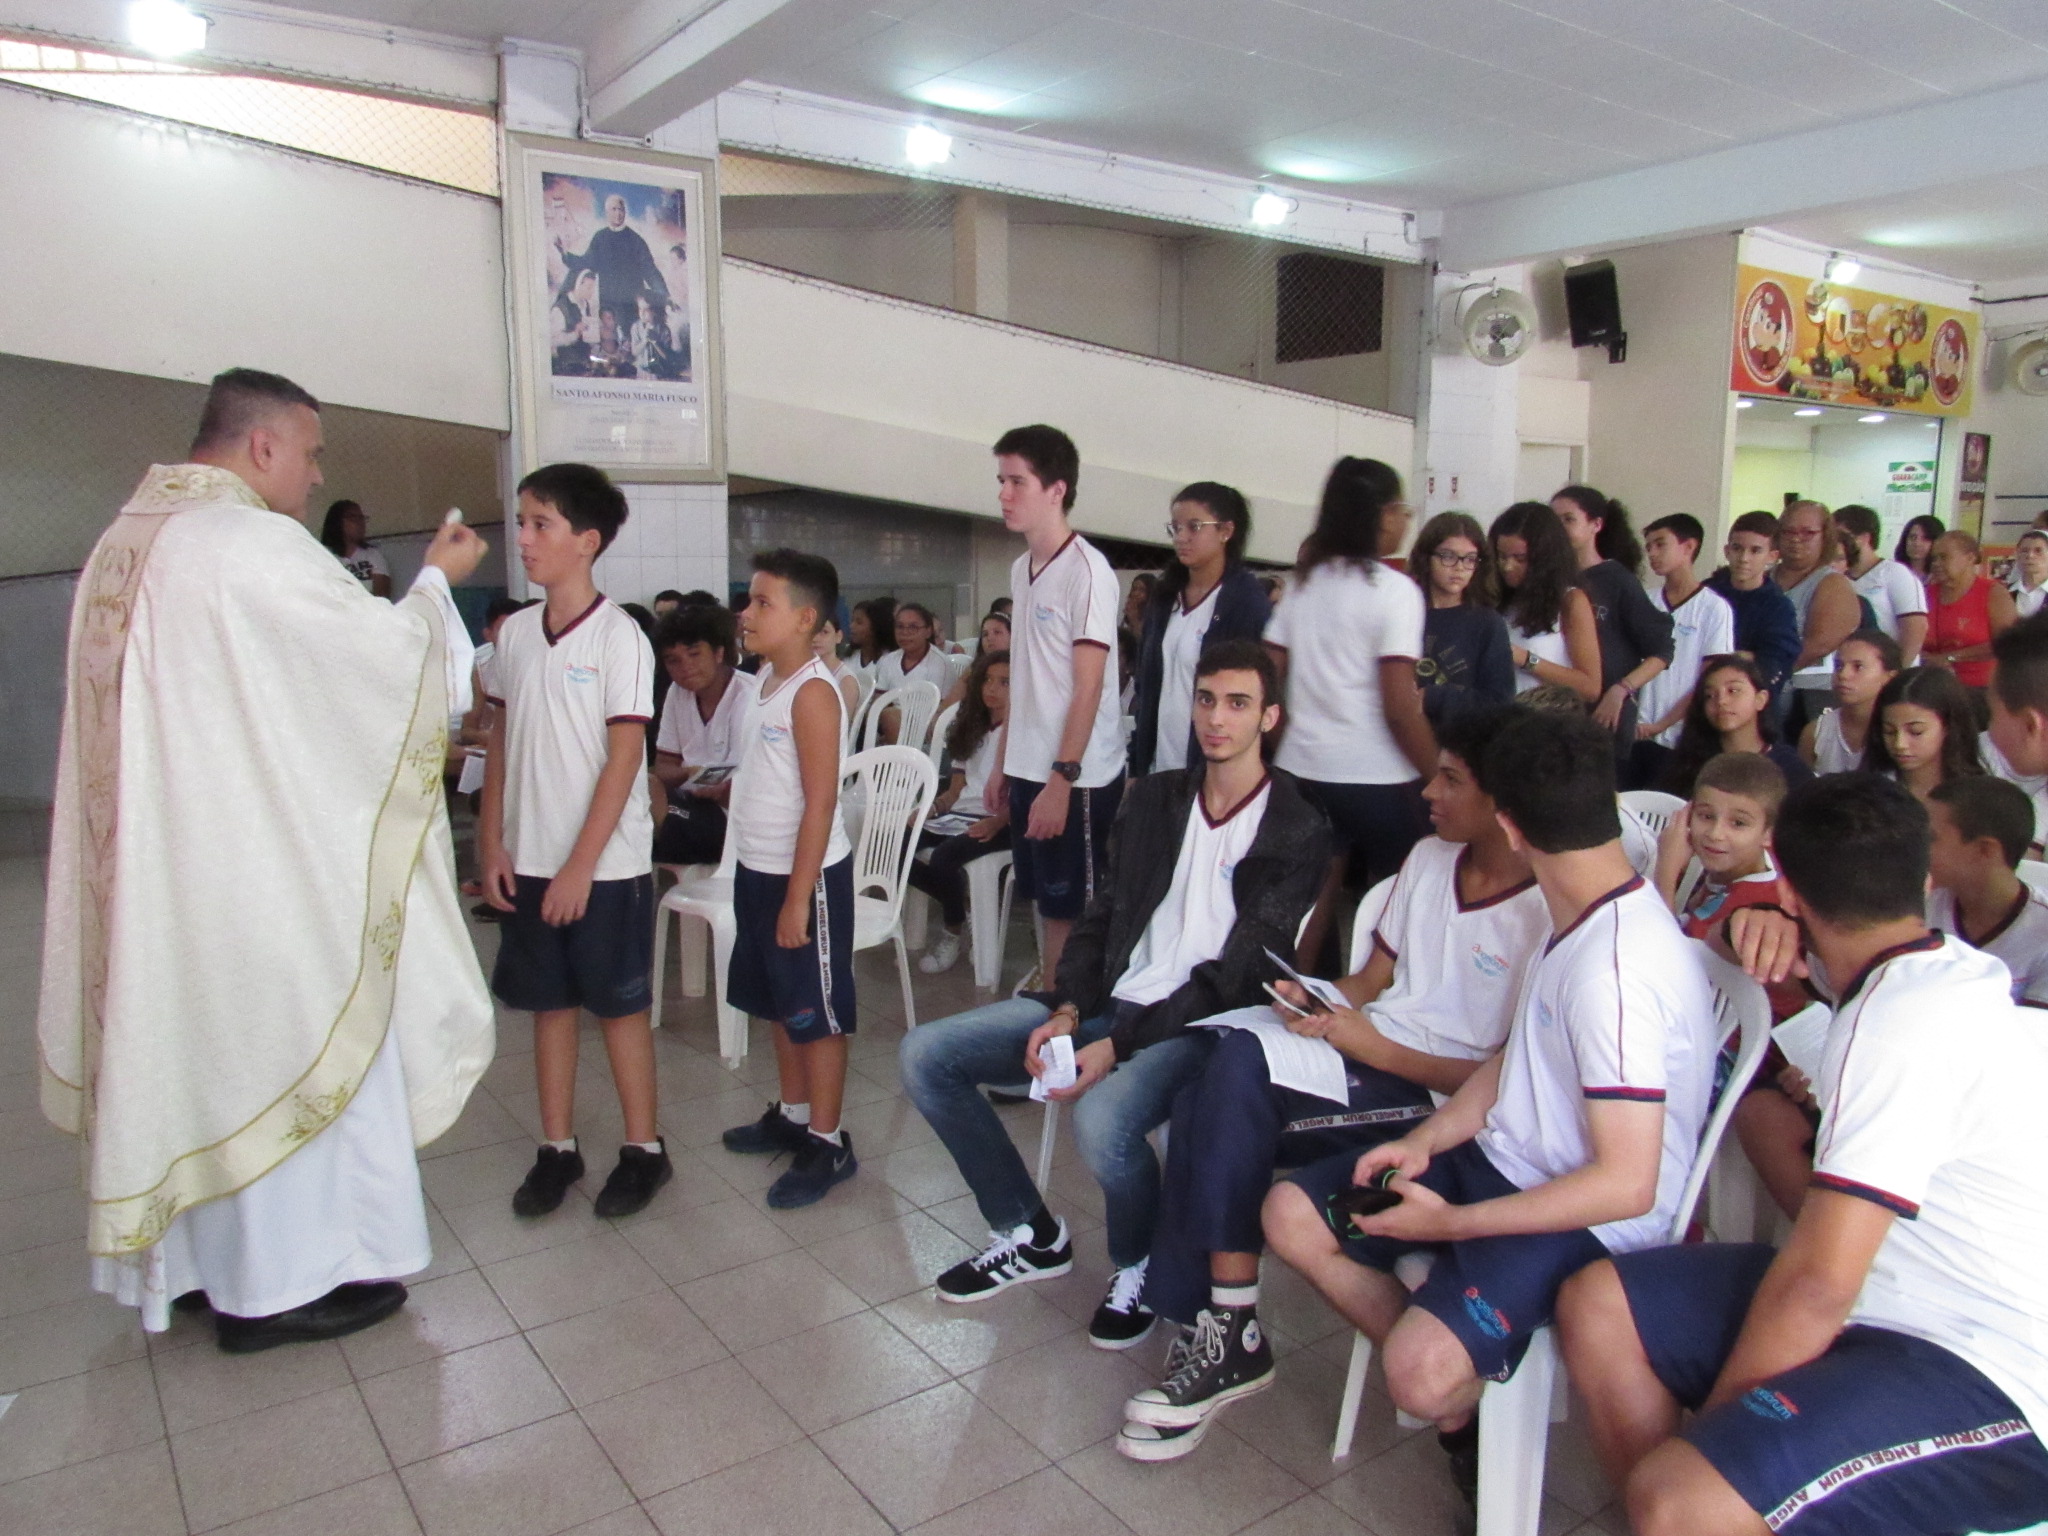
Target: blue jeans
945, 1064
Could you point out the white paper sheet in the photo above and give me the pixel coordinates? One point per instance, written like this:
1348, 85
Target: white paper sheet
1804, 1038
1323, 991
1057, 1057
1300, 1062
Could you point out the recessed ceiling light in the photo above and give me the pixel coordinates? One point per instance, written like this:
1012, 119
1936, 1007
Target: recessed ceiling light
165, 28
1874, 416
924, 145
1844, 269
1809, 410
1743, 405
1269, 209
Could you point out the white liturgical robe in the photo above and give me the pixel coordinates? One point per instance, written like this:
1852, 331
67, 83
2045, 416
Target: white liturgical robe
258, 994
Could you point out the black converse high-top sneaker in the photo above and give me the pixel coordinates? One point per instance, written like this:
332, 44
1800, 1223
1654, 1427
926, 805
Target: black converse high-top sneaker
1228, 1358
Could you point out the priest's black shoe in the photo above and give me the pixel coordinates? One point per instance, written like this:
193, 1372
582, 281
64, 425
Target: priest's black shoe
633, 1183
344, 1310
547, 1181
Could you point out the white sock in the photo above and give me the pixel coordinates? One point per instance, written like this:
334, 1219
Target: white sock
835, 1136
647, 1146
796, 1114
567, 1145
1234, 1295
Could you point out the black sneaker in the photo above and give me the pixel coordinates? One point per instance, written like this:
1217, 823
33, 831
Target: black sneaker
773, 1132
1122, 1320
1462, 1446
1009, 1259
547, 1181
1228, 1358
818, 1166
633, 1183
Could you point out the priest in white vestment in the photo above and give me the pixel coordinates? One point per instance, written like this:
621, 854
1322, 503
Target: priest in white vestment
258, 993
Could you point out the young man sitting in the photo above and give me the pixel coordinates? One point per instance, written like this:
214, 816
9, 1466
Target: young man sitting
702, 722
1982, 827
1888, 1369
1462, 923
1209, 867
1572, 1144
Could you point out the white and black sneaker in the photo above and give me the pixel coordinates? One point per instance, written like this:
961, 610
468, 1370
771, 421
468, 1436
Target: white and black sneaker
1228, 1358
1011, 1258
1122, 1320
1148, 1442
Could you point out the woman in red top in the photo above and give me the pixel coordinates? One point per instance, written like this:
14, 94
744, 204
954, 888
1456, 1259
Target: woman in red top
1965, 611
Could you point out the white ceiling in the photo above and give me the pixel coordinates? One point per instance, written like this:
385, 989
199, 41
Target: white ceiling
1413, 103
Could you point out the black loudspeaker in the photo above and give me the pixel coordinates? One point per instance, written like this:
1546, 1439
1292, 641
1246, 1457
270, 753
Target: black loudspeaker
1593, 302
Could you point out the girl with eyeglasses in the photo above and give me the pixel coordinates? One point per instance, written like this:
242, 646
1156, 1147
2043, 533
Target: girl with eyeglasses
1467, 659
1205, 594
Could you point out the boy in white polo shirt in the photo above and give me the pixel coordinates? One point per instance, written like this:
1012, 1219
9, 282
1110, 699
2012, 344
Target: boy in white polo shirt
1982, 827
1573, 1143
1888, 1370
1060, 769
566, 831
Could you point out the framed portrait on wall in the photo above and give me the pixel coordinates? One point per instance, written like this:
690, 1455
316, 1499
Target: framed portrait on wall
614, 300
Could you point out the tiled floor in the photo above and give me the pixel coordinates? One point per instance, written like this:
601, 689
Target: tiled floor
708, 1367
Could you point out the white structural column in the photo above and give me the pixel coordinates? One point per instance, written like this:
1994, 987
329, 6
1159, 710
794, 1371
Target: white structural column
981, 255
674, 537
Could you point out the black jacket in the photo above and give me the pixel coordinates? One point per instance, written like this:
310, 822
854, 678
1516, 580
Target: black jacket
1275, 884
1241, 613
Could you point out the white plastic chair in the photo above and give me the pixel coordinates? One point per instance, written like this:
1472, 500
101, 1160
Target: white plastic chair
1652, 807
941, 727
896, 784
915, 703
703, 892
916, 910
1515, 1415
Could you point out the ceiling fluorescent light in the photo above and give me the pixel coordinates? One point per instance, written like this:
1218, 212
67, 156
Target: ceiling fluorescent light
1874, 416
1270, 209
1743, 405
165, 28
1809, 410
924, 145
1844, 269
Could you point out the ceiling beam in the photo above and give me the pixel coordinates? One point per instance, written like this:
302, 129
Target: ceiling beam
663, 57
1990, 134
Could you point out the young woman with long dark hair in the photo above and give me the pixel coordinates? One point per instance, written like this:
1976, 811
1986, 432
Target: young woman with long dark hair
1552, 636
1348, 635
1729, 713
1635, 634
1205, 594
971, 749
1926, 731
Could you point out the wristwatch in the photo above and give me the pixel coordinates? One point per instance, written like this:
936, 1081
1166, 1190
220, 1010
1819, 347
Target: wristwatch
1068, 771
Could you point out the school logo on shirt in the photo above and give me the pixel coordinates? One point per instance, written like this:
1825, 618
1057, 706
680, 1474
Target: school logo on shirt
1544, 1017
1494, 966
1767, 1404
1491, 1320
577, 672
774, 735
1045, 613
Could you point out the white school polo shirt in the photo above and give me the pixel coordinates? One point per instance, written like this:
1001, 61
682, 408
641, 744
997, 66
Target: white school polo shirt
1179, 652
1930, 1092
1893, 592
1194, 920
1618, 1006
1458, 969
701, 743
1070, 600
1337, 627
2019, 940
931, 668
561, 693
1701, 626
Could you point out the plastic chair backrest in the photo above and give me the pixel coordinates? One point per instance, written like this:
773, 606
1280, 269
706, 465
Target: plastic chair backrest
897, 785
1371, 907
918, 701
941, 728
1652, 807
1741, 1004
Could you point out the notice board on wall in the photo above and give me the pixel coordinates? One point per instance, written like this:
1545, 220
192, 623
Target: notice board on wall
1805, 338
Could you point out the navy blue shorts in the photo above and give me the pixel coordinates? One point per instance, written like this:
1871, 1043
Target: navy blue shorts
1883, 1432
603, 962
807, 990
1492, 1292
1061, 873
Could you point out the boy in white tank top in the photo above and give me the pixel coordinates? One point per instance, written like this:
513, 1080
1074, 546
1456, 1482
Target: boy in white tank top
792, 955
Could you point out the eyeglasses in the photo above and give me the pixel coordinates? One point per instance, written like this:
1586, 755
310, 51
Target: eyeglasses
1456, 562
1189, 530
